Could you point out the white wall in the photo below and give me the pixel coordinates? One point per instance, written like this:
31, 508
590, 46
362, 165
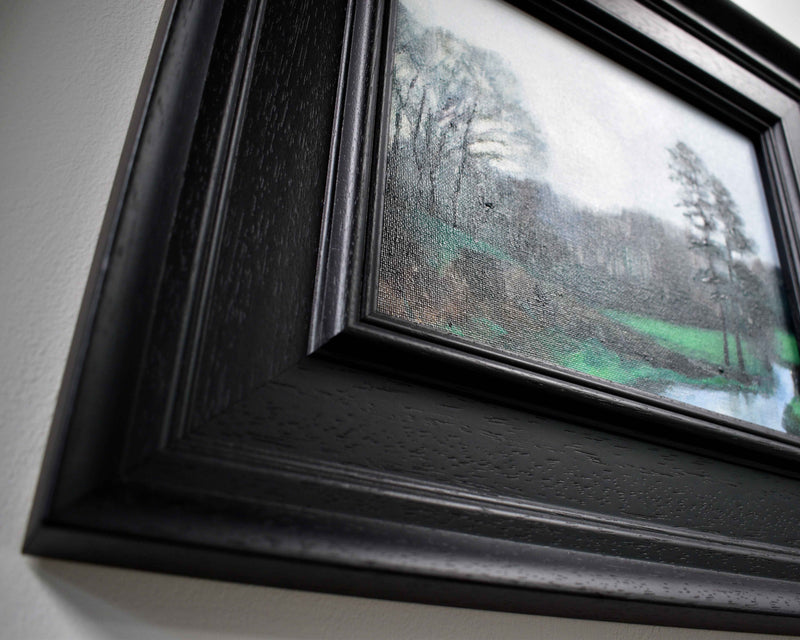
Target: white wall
69, 72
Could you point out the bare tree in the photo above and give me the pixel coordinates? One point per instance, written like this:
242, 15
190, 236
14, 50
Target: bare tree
456, 118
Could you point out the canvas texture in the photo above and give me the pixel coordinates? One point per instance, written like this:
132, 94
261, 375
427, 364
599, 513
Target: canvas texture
544, 202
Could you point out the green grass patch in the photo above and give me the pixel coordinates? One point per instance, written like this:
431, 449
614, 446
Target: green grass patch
594, 359
786, 348
491, 327
692, 342
791, 417
456, 331
447, 241
482, 330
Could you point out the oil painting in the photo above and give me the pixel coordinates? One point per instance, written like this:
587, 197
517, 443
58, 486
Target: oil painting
542, 201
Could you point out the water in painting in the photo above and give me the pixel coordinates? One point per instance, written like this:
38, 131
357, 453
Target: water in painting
543, 201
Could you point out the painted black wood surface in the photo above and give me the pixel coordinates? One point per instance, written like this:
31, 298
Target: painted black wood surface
233, 408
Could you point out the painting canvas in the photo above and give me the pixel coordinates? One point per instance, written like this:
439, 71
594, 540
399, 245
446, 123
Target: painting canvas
542, 201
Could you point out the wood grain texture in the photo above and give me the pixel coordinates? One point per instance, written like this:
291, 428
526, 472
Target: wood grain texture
260, 301
173, 323
197, 435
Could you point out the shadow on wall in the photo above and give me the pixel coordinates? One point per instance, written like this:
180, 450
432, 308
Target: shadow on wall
128, 604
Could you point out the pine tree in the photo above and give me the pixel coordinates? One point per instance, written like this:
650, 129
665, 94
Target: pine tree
697, 200
737, 245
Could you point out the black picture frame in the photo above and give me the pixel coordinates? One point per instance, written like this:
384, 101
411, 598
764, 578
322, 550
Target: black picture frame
229, 410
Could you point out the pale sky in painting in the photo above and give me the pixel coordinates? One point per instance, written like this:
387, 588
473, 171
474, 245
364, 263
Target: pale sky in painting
606, 128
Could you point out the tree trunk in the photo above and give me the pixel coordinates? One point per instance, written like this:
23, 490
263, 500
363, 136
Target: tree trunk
726, 351
739, 353
731, 282
462, 164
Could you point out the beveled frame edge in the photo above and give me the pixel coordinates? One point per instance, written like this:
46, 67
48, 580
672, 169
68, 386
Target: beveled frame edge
155, 139
575, 596
348, 303
349, 170
733, 29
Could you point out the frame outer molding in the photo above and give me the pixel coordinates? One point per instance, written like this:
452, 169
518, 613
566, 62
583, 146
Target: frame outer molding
136, 480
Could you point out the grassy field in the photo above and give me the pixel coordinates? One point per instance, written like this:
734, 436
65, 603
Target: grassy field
693, 342
532, 313
708, 345
594, 359
786, 348
600, 359
450, 241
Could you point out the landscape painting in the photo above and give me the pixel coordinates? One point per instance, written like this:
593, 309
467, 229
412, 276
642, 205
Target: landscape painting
542, 201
